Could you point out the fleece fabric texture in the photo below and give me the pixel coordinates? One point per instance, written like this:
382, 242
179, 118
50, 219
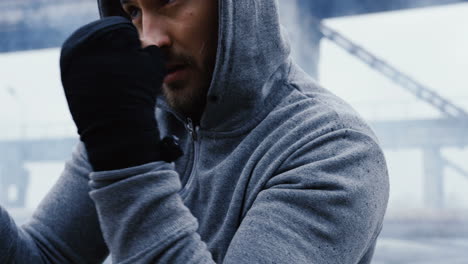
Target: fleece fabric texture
279, 171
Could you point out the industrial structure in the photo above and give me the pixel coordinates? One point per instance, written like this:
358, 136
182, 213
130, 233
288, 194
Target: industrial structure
25, 23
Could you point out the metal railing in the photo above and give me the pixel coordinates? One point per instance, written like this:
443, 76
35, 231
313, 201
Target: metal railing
422, 92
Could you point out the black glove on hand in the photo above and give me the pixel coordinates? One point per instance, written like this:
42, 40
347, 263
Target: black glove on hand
111, 84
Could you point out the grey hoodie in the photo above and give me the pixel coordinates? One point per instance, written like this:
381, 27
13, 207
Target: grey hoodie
279, 171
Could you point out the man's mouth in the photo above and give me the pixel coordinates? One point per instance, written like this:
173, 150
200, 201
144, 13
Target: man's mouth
175, 72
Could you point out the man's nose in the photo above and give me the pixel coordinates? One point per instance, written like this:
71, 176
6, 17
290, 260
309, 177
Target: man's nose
154, 32
161, 42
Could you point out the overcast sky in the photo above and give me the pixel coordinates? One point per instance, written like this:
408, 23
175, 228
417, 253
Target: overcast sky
430, 44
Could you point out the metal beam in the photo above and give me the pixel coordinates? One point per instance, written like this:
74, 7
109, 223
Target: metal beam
425, 224
433, 172
337, 8
39, 24
410, 134
38, 150
456, 167
422, 92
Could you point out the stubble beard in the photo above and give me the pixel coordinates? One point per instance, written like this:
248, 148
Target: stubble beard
189, 97
185, 99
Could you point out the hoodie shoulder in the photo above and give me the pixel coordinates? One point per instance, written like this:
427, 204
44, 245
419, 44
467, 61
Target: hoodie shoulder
323, 108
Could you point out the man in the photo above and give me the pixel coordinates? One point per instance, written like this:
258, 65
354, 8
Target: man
275, 168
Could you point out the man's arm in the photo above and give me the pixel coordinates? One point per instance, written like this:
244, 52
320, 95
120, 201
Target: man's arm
325, 205
63, 229
143, 218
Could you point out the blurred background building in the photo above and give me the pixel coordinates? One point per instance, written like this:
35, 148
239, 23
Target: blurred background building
399, 63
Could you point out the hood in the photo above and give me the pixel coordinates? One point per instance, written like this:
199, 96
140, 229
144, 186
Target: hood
251, 51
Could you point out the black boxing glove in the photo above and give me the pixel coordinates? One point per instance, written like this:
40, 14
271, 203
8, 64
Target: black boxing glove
111, 84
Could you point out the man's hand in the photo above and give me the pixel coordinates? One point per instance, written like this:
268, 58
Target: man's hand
111, 84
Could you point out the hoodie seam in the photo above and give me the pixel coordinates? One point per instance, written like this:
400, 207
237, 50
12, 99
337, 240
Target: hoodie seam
261, 115
337, 115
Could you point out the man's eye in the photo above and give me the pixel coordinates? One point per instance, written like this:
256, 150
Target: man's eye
133, 12
166, 2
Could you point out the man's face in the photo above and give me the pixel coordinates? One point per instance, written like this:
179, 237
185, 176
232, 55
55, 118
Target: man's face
187, 32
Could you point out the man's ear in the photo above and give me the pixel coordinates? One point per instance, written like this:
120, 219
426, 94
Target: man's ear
111, 8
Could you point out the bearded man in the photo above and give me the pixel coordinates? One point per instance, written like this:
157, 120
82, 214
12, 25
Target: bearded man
203, 142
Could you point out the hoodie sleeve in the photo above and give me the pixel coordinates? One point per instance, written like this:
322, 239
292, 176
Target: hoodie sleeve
325, 205
63, 229
143, 218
